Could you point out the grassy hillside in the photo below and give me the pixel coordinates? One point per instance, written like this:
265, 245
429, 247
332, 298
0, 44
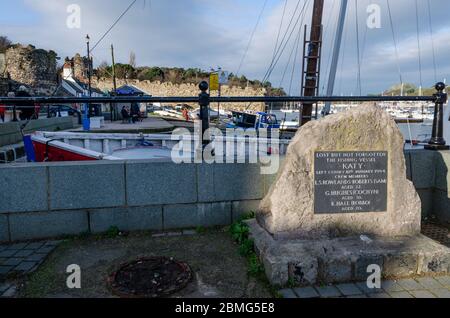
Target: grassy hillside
410, 90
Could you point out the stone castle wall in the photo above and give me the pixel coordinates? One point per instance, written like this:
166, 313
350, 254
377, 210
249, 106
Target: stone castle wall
3, 86
186, 90
2, 65
31, 66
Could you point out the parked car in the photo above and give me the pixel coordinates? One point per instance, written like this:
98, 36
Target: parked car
55, 110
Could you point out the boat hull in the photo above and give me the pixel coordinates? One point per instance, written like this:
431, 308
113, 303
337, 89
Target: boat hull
51, 153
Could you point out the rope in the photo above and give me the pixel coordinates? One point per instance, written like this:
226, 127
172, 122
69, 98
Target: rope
114, 24
282, 41
328, 67
341, 67
289, 61
295, 60
364, 39
364, 42
419, 46
395, 42
432, 40
279, 30
251, 37
358, 49
282, 47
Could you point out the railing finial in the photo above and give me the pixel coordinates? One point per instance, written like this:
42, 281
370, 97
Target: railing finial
203, 86
437, 141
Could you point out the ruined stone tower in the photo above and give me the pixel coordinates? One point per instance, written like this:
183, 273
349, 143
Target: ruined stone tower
31, 66
77, 67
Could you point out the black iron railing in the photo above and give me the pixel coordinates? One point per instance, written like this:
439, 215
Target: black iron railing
440, 98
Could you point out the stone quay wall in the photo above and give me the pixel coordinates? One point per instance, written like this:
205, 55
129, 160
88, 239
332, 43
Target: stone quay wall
10, 132
56, 199
187, 90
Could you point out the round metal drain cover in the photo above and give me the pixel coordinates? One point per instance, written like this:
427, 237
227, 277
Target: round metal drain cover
150, 278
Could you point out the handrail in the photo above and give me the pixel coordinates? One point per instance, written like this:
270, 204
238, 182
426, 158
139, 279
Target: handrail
222, 99
204, 99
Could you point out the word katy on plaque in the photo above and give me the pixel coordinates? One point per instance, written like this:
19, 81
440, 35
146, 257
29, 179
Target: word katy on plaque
350, 182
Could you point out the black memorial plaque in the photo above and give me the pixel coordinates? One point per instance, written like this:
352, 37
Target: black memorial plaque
350, 182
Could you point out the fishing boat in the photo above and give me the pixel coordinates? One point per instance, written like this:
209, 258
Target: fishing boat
69, 146
195, 114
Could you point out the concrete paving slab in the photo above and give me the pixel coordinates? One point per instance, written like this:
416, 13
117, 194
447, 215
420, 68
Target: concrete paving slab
17, 246
24, 253
11, 292
8, 253
380, 295
410, 284
288, 293
328, 292
306, 292
12, 261
444, 280
349, 289
34, 246
25, 266
5, 270
402, 295
429, 283
4, 287
391, 286
367, 290
441, 293
422, 294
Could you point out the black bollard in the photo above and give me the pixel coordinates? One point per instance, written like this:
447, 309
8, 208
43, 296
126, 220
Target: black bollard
437, 141
203, 100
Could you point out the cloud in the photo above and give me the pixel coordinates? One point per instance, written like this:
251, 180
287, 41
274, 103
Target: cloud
211, 33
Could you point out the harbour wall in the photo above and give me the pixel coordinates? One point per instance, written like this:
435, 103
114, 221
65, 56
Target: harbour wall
56, 199
10, 131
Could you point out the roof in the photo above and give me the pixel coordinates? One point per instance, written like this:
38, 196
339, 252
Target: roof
61, 91
73, 86
128, 90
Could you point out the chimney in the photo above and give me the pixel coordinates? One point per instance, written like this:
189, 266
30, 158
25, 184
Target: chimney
68, 69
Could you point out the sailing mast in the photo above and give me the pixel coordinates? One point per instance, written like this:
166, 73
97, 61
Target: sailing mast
336, 52
311, 76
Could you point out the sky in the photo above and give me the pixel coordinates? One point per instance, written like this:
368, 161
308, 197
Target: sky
211, 33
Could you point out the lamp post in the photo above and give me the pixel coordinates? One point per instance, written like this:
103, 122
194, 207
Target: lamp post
86, 122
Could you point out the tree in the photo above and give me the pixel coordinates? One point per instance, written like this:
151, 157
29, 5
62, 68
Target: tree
408, 88
151, 74
132, 59
5, 43
103, 70
125, 71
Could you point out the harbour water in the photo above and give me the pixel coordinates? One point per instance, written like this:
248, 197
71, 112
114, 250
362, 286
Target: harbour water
414, 131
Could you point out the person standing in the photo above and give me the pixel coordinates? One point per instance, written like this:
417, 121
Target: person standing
2, 112
37, 111
125, 115
14, 112
135, 112
26, 110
